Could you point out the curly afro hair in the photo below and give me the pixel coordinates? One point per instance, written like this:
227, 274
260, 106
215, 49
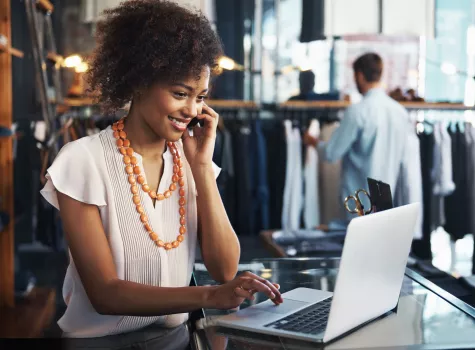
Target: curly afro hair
142, 42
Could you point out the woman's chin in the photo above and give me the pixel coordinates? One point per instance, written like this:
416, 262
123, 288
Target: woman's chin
174, 136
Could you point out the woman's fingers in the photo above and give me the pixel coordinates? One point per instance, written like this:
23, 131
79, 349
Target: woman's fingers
270, 285
210, 122
186, 134
258, 286
273, 288
208, 110
240, 292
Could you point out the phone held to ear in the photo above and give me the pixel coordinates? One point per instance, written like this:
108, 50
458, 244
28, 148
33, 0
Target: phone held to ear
193, 123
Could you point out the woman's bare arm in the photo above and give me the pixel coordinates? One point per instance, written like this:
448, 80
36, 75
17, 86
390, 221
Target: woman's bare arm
219, 244
107, 293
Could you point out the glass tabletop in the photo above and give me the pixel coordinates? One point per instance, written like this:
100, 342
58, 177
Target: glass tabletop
426, 318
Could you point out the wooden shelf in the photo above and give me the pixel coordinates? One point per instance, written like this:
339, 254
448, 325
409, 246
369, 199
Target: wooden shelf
315, 104
29, 317
231, 104
87, 101
345, 104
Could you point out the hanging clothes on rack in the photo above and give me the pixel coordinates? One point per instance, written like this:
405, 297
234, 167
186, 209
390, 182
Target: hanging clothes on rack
312, 195
293, 190
442, 185
457, 204
422, 248
260, 188
289, 175
223, 157
241, 134
442, 164
46, 227
409, 183
471, 183
296, 199
275, 136
329, 180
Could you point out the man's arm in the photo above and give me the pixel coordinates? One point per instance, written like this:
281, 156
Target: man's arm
343, 137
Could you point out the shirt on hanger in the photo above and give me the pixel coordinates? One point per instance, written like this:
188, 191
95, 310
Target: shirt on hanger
312, 193
409, 183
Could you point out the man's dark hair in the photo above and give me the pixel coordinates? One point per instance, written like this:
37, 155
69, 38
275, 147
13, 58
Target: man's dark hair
371, 65
306, 81
143, 42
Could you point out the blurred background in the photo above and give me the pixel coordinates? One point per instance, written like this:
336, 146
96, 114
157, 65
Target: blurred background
271, 46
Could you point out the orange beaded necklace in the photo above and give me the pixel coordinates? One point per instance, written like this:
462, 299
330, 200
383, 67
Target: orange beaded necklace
134, 176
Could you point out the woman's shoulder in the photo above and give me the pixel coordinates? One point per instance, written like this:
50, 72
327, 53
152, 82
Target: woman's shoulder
77, 172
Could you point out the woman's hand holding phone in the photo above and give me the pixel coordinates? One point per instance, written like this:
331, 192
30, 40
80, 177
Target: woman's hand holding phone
199, 148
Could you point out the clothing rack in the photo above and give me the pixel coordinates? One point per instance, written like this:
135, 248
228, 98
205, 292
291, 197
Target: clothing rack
453, 206
31, 314
76, 122
45, 55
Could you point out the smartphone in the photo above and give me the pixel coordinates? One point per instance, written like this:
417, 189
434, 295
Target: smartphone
193, 123
381, 197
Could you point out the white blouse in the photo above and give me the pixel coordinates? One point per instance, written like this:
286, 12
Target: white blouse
91, 170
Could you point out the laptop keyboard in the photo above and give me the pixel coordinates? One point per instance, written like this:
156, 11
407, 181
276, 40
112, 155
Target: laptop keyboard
311, 320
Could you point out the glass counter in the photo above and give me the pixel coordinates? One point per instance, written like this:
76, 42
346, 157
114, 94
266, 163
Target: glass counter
427, 317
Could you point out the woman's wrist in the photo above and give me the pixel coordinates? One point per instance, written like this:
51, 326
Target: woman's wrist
201, 171
208, 297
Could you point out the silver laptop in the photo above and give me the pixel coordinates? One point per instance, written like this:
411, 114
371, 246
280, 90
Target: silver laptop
367, 287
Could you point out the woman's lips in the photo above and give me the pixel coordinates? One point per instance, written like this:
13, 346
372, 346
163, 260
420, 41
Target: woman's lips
177, 124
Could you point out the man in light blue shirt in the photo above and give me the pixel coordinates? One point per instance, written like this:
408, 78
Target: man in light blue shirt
372, 135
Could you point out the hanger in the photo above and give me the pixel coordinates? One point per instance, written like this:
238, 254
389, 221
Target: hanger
453, 126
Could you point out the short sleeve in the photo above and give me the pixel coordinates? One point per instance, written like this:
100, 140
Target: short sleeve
74, 173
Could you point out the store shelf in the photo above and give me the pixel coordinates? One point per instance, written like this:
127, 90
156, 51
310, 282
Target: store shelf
345, 104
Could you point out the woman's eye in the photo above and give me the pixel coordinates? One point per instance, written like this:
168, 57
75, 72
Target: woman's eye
180, 94
202, 98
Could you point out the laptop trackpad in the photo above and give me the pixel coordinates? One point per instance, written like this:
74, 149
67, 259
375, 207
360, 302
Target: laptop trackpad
287, 306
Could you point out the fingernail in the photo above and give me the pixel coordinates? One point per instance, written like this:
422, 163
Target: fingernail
277, 286
272, 296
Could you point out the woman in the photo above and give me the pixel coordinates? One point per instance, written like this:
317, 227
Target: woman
136, 198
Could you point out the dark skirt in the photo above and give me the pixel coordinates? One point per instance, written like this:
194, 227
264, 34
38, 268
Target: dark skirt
151, 337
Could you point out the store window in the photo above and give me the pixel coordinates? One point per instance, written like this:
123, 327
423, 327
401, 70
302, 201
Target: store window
450, 56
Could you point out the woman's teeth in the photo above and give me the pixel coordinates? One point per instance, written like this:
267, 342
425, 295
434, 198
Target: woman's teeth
177, 122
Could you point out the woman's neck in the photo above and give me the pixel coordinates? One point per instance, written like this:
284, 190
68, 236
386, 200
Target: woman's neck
142, 138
